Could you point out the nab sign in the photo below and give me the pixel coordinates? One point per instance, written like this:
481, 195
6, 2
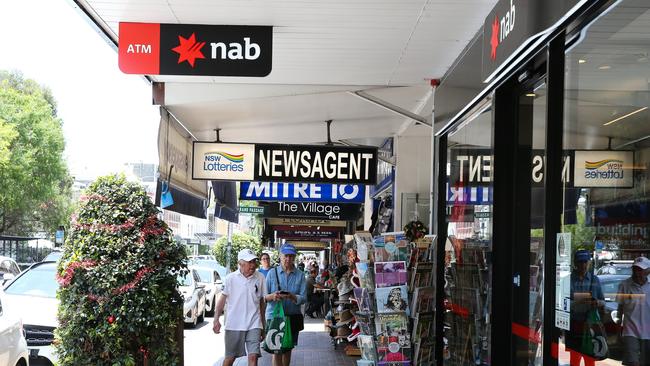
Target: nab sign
192, 49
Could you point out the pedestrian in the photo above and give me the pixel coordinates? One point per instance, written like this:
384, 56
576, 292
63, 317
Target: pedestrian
243, 295
586, 295
265, 260
314, 298
633, 299
287, 284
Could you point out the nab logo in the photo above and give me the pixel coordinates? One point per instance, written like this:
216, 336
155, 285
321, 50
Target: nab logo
501, 28
189, 49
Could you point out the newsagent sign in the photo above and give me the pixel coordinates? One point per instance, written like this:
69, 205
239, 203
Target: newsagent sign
284, 163
302, 192
193, 49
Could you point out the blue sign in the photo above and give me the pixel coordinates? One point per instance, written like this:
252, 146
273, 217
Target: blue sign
302, 192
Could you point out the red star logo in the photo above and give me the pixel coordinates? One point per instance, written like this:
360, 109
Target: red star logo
494, 41
189, 49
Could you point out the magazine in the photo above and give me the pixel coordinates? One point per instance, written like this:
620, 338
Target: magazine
392, 328
365, 363
391, 247
365, 275
365, 248
421, 275
423, 326
389, 274
367, 346
366, 323
424, 300
392, 299
423, 353
363, 299
423, 250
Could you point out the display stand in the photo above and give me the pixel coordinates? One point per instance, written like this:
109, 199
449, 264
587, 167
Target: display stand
395, 299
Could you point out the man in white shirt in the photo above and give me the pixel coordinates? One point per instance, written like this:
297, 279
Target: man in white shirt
634, 305
243, 293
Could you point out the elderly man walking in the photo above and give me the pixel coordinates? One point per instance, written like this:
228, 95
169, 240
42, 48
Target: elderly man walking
633, 299
243, 293
287, 284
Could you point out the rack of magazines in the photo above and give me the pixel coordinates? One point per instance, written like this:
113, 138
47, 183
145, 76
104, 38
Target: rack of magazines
396, 299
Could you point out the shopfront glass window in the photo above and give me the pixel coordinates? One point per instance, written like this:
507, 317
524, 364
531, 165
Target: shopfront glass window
469, 243
603, 298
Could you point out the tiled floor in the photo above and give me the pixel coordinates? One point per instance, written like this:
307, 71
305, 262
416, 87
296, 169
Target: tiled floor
315, 348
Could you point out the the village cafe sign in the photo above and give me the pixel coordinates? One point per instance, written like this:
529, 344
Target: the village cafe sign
195, 49
284, 163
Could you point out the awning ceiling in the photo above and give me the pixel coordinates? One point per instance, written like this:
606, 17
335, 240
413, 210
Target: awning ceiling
322, 51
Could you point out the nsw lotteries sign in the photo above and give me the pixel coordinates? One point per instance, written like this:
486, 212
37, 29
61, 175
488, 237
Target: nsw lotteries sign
302, 192
607, 169
193, 49
284, 163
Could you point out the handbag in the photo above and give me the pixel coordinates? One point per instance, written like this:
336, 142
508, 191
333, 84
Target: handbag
594, 338
278, 337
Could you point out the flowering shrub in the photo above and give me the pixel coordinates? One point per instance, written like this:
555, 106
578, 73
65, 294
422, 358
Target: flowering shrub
415, 230
118, 289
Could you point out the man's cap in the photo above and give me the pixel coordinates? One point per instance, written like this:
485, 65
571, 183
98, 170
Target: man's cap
582, 255
642, 262
287, 248
246, 255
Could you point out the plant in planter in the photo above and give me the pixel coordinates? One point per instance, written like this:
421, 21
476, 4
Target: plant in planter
118, 281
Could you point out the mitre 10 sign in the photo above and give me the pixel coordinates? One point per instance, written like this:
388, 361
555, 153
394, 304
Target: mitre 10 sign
191, 49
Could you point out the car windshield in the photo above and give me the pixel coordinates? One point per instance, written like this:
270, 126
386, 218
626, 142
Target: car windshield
614, 269
37, 281
185, 280
610, 287
204, 274
211, 264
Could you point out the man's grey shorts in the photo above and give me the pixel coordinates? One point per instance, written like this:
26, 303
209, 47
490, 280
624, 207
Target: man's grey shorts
635, 351
242, 342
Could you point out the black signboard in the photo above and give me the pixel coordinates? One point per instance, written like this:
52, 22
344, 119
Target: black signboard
314, 210
194, 49
313, 163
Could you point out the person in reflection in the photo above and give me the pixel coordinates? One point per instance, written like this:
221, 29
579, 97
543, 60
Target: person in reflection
586, 295
633, 300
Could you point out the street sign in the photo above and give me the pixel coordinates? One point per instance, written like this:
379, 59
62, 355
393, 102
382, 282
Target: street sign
255, 210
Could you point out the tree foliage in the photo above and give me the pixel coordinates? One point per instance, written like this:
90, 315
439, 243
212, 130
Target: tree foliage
34, 180
119, 302
239, 241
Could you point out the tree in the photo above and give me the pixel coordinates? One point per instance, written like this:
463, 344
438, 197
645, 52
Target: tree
34, 179
239, 241
119, 301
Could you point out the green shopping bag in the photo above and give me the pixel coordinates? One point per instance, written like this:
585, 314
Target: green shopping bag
278, 331
594, 338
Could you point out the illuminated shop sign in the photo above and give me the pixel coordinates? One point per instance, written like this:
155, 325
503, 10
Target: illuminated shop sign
284, 163
194, 49
302, 192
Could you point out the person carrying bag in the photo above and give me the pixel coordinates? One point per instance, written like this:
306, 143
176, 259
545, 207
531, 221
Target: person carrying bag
278, 332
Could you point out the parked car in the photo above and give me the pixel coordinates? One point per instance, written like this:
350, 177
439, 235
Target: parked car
609, 284
223, 271
13, 347
32, 296
194, 295
203, 256
616, 267
210, 278
8, 269
53, 256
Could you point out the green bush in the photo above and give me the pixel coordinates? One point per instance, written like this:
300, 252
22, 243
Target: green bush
239, 242
119, 299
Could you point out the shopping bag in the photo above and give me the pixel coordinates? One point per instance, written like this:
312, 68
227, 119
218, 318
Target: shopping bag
278, 331
166, 198
594, 338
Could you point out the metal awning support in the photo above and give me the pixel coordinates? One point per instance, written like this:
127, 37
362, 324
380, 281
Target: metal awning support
391, 107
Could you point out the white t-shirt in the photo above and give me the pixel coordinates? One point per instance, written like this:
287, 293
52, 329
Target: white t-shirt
634, 303
243, 300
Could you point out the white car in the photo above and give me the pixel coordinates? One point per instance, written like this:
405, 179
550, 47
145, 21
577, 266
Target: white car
32, 296
194, 295
13, 347
209, 278
8, 269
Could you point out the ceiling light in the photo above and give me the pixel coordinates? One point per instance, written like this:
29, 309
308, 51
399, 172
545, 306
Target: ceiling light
625, 116
530, 94
581, 61
604, 67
